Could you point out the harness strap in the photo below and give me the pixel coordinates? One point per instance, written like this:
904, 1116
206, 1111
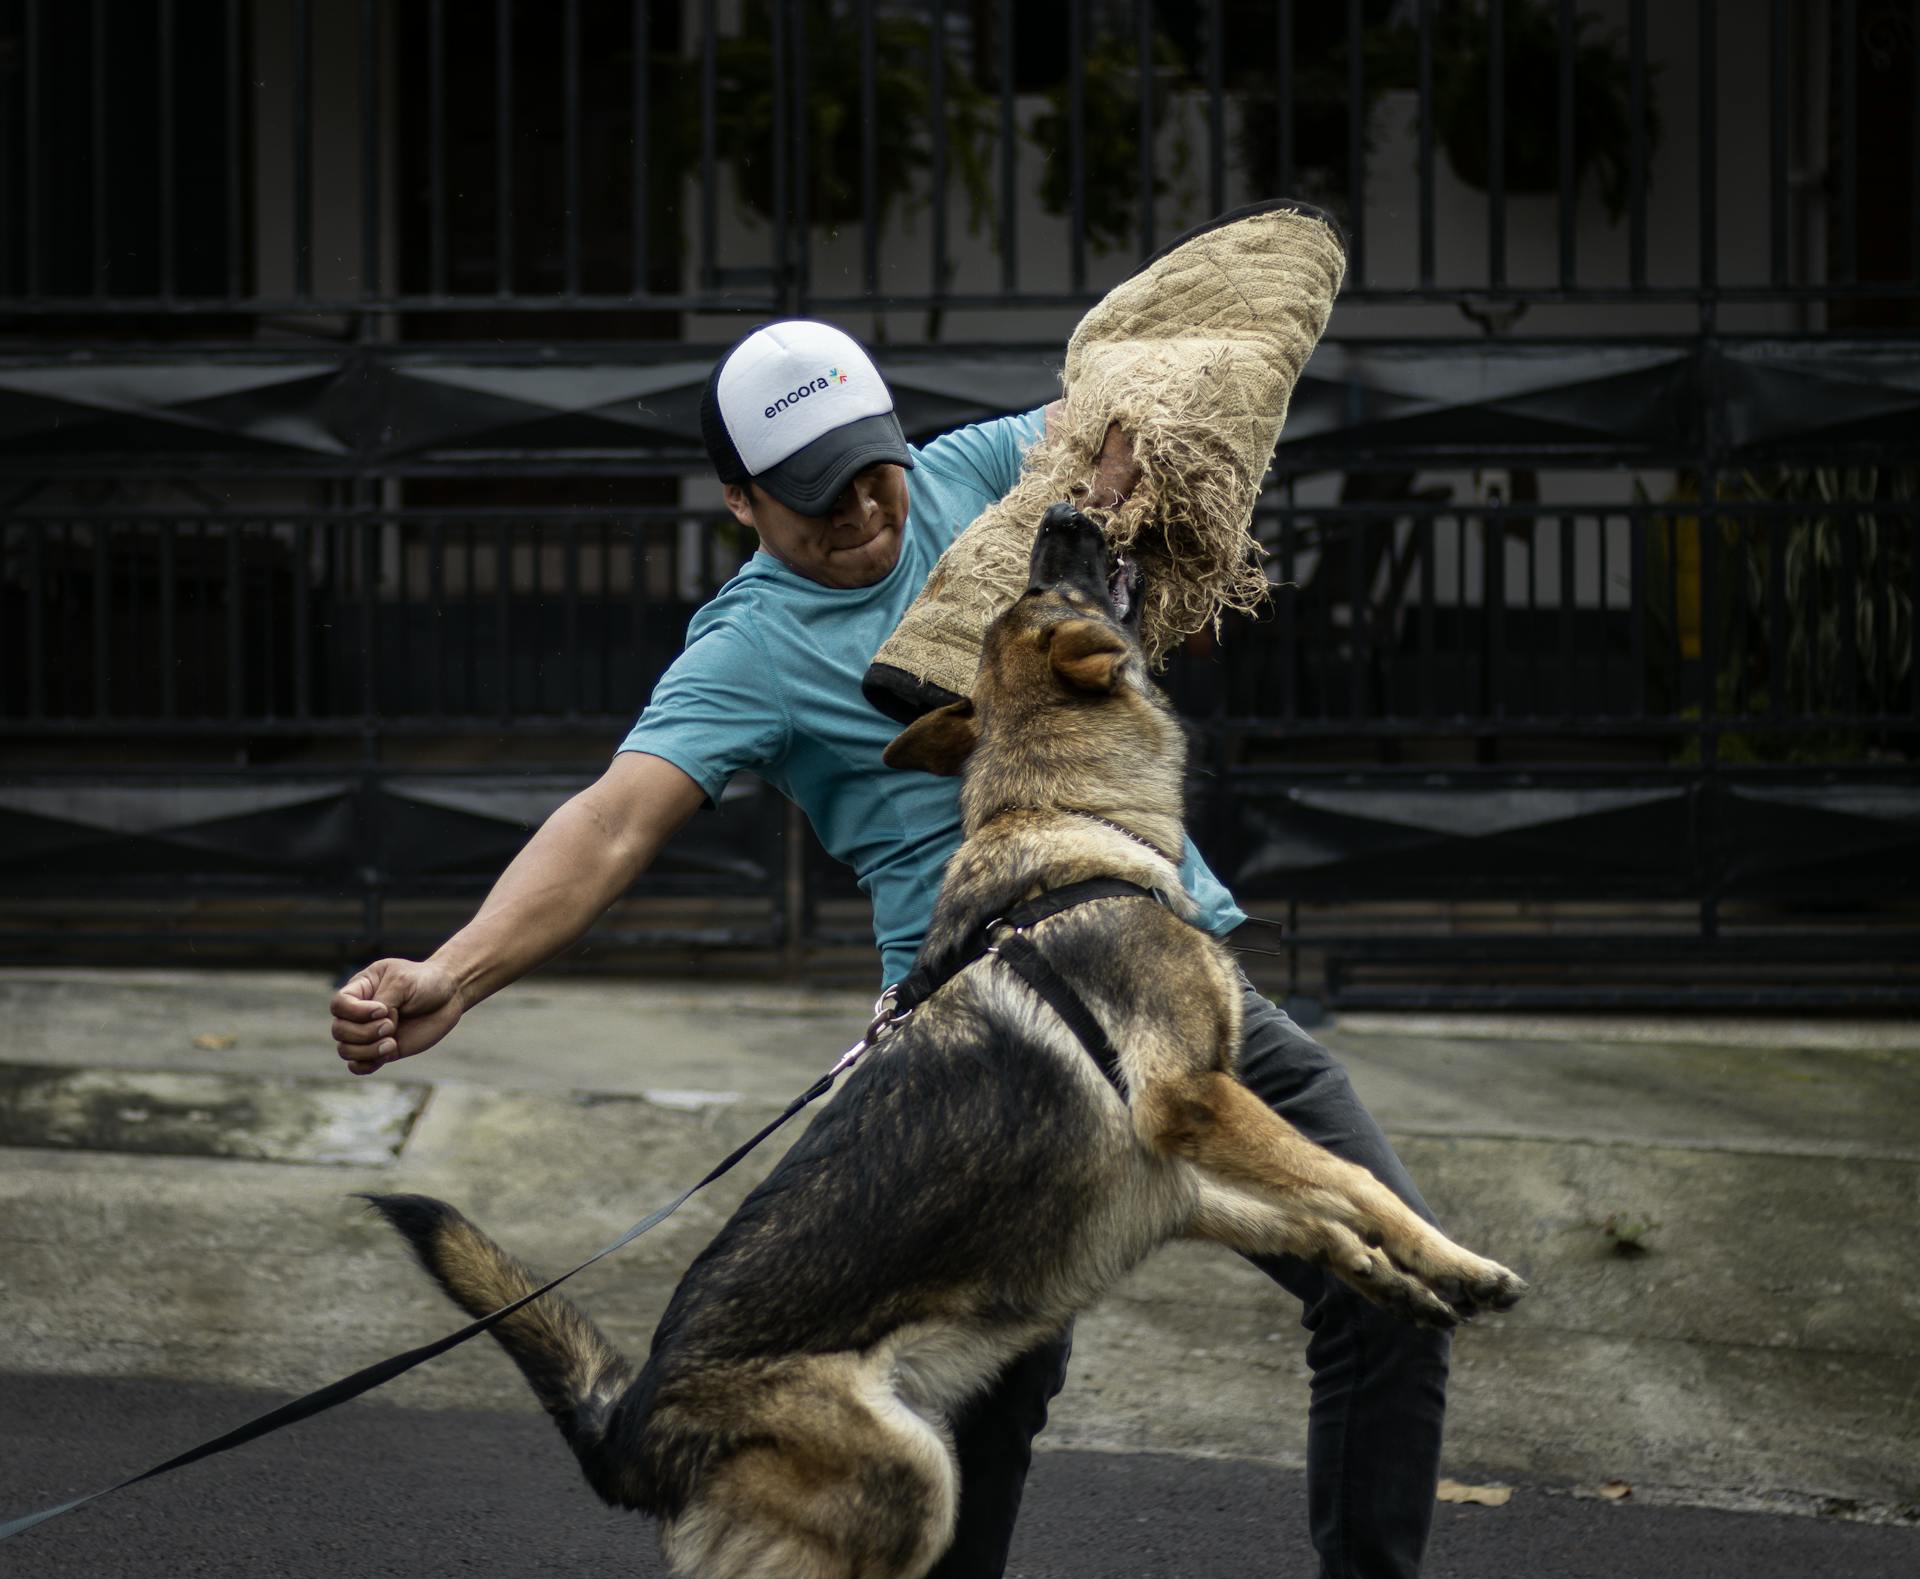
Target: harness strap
924, 980
1031, 966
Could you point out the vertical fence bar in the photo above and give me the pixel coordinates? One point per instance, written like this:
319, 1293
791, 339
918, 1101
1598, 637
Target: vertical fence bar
1426, 148
1494, 579
236, 603
1357, 141
1606, 609
1846, 260
302, 148
1428, 527
1777, 682
437, 148
1497, 145
1143, 43
30, 141
1283, 93
1289, 608
1777, 194
1358, 600
1709, 148
1709, 614
570, 614
437, 595
302, 619
709, 143
869, 151
1569, 616
1849, 687
802, 204
1567, 192
1637, 144
503, 147
102, 619
235, 76
570, 151
37, 602
1913, 208
937, 66
1679, 654
1533, 614
642, 106
369, 148
102, 257
163, 150
1913, 590
169, 625
1077, 138
1009, 150
1216, 109
369, 528
503, 616
1636, 612
783, 84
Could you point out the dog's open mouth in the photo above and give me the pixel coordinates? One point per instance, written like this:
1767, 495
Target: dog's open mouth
1123, 587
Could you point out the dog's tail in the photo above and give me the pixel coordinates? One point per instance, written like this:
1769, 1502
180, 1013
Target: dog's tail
578, 1376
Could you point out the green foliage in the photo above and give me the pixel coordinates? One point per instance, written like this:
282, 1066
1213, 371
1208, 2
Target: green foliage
1602, 100
1317, 97
1110, 106
1817, 518
903, 95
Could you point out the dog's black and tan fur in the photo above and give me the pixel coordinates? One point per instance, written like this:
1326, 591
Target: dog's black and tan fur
977, 1182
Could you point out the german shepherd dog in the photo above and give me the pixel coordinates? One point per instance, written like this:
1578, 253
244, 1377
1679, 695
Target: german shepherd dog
978, 1181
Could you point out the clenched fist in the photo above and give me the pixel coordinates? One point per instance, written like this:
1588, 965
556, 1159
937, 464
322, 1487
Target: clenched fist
393, 1009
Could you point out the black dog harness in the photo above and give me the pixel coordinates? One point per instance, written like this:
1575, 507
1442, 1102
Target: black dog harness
1004, 938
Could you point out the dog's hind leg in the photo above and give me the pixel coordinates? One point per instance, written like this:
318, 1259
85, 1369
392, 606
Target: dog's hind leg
847, 1483
1267, 1189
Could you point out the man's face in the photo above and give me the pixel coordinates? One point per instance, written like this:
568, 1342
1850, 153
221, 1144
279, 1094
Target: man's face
854, 544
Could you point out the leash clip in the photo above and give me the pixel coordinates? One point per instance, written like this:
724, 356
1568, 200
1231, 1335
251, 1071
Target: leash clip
887, 1017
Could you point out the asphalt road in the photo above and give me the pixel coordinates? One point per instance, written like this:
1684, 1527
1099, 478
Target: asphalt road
373, 1490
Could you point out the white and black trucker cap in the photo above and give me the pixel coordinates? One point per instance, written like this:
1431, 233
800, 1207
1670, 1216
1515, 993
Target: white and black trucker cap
798, 407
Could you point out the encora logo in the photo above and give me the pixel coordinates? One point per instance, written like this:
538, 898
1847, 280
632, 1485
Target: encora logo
813, 386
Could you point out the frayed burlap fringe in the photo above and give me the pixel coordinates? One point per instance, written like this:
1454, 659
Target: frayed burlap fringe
1195, 358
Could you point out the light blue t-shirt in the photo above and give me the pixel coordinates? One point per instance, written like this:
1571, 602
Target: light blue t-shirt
769, 682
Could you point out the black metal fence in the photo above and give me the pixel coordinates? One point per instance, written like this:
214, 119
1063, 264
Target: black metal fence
349, 364
263, 157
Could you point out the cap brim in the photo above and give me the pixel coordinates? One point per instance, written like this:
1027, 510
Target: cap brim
810, 479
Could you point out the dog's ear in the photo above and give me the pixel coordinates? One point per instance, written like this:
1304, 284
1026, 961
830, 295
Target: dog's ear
937, 742
1087, 654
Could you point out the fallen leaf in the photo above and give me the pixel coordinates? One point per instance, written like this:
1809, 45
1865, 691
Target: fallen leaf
214, 1041
1615, 1490
1486, 1496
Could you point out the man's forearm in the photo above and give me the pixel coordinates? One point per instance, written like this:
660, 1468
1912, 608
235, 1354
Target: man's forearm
556, 887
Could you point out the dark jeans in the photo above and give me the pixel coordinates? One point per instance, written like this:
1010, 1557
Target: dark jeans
1379, 1383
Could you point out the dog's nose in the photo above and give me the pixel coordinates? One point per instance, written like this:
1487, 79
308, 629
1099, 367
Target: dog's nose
1067, 547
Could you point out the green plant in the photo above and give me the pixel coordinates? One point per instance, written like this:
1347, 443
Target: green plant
1110, 149
1845, 541
1602, 100
1316, 95
745, 130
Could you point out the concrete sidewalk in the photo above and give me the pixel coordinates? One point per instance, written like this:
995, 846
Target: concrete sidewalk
1721, 1220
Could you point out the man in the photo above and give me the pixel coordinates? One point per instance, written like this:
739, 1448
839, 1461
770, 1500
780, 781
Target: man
850, 520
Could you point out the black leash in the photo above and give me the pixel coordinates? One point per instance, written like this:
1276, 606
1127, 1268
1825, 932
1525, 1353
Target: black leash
1003, 936
364, 1381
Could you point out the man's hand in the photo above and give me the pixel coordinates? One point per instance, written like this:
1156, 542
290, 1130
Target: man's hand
393, 1009
1115, 472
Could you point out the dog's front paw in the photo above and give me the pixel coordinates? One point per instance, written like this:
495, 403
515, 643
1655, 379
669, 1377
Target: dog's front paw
1468, 1284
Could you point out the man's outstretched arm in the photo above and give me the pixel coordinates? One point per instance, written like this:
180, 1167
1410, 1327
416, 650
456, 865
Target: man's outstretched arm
585, 856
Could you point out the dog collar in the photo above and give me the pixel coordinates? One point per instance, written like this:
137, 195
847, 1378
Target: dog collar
1105, 822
